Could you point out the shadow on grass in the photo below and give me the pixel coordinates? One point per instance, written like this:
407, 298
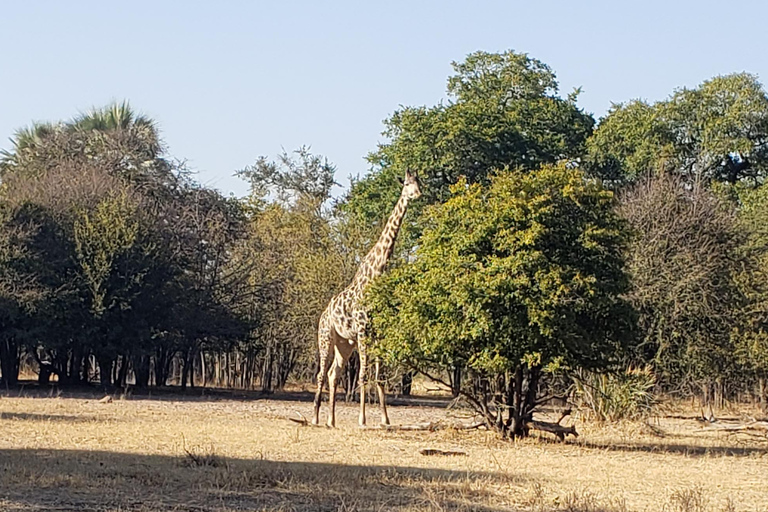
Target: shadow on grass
24, 416
34, 390
100, 480
664, 448
680, 449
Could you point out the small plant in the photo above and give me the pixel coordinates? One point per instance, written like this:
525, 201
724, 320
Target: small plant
199, 456
688, 500
613, 397
588, 502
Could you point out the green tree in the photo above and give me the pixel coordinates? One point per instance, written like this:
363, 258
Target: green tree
716, 131
298, 262
503, 110
21, 294
751, 336
107, 211
511, 280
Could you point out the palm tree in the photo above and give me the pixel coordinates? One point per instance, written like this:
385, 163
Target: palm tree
115, 138
120, 118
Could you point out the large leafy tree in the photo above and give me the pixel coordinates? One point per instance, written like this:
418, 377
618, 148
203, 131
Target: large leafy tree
510, 280
503, 110
716, 131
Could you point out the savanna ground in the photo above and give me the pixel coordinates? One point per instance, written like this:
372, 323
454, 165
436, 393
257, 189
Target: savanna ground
232, 452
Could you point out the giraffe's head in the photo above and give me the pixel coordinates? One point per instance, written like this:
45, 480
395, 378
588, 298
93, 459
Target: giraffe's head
411, 187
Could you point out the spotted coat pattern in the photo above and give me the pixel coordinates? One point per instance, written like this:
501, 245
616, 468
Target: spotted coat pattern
343, 324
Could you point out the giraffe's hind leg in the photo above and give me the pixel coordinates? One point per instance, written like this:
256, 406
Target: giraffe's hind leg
341, 352
325, 349
382, 395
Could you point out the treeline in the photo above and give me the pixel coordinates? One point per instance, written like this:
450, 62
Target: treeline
117, 266
546, 242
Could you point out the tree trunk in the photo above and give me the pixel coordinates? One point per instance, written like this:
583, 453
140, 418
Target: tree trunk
266, 371
9, 361
517, 423
187, 369
456, 380
202, 368
141, 369
191, 365
105, 371
72, 368
761, 393
122, 374
406, 383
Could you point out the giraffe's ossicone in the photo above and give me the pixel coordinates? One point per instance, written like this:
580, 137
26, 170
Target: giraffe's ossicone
344, 323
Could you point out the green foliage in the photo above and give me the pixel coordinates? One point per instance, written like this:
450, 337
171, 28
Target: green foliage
296, 262
113, 138
503, 111
616, 396
305, 176
717, 131
751, 336
530, 264
100, 237
526, 272
127, 251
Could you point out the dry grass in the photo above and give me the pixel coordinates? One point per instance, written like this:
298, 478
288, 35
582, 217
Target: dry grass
215, 454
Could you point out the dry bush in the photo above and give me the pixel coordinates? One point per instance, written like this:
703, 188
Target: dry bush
681, 262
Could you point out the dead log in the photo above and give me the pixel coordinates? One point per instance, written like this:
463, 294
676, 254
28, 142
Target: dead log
448, 453
760, 426
554, 428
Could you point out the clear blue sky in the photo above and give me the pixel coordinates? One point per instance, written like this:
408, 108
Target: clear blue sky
228, 81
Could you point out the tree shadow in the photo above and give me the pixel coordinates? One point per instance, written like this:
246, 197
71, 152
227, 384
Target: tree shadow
198, 394
100, 480
682, 449
24, 416
661, 448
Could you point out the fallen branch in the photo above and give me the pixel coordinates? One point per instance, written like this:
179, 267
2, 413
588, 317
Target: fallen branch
760, 426
304, 422
554, 428
433, 451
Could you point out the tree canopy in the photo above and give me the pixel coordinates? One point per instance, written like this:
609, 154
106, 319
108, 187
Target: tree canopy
520, 275
503, 110
716, 131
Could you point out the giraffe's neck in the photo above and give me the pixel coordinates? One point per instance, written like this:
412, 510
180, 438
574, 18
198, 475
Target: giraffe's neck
374, 263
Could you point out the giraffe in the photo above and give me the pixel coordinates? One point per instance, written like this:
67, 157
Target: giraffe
343, 324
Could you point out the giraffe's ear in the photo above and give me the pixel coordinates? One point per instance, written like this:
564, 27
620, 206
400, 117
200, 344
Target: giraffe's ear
400, 180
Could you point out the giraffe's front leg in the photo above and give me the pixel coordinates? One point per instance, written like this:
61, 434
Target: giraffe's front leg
361, 347
326, 354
